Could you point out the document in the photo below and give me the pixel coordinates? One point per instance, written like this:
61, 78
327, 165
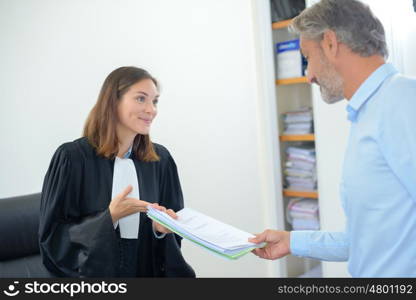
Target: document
209, 233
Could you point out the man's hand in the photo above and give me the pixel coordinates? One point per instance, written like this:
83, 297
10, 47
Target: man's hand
278, 244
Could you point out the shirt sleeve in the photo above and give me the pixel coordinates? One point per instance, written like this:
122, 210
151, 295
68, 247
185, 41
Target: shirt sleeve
322, 245
158, 236
397, 138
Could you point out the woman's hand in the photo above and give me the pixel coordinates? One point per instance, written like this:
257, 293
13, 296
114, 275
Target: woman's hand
160, 228
122, 205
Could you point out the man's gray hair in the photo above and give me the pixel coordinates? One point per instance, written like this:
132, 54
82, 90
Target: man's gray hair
352, 21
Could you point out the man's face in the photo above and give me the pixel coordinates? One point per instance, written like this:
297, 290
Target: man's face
322, 72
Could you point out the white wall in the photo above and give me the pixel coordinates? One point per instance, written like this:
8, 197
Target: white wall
54, 55
399, 20
331, 127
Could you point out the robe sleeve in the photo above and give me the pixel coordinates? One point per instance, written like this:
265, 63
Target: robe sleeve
171, 197
73, 244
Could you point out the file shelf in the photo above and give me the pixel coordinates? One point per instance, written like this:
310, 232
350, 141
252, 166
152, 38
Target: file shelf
292, 94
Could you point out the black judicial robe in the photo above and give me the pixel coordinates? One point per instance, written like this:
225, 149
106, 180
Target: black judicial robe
76, 234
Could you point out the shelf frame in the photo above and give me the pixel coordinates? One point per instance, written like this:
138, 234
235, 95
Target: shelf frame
297, 138
303, 194
295, 80
281, 24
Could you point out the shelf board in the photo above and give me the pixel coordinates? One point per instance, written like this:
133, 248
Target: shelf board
297, 138
303, 194
291, 81
281, 24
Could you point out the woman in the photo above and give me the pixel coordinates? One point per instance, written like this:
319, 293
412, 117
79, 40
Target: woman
92, 223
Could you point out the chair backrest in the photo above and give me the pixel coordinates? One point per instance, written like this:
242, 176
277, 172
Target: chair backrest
19, 224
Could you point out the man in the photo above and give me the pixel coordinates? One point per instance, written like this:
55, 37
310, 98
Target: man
345, 46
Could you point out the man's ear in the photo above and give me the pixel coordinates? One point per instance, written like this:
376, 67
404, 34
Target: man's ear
330, 45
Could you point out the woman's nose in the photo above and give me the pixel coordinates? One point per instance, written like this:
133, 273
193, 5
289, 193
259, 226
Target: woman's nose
150, 107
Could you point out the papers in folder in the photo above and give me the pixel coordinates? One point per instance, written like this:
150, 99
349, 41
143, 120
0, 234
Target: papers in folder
211, 234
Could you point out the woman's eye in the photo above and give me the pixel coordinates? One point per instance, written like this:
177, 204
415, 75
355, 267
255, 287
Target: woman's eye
156, 101
141, 99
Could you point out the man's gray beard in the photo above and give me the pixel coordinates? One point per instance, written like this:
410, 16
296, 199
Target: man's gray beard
335, 92
331, 84
330, 98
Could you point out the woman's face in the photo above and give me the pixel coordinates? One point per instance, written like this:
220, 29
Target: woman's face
137, 108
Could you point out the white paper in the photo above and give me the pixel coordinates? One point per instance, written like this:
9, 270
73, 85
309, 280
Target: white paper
207, 231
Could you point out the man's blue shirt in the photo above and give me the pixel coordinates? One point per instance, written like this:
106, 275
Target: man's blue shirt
378, 188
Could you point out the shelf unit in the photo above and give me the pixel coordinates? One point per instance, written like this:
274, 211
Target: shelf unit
291, 94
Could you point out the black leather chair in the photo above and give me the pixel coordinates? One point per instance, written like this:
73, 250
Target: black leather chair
19, 247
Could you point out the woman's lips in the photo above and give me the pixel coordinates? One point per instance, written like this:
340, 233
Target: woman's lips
146, 121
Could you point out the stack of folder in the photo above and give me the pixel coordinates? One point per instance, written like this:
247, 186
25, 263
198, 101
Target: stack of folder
298, 122
300, 168
215, 236
303, 214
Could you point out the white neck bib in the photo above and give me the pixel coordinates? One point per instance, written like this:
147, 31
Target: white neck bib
125, 174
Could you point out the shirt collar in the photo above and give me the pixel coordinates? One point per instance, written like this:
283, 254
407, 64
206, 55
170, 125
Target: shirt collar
367, 89
128, 153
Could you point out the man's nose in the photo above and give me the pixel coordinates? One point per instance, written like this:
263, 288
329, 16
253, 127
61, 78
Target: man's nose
310, 76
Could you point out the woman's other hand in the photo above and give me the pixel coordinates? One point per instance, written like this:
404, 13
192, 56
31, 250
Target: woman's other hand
122, 205
158, 227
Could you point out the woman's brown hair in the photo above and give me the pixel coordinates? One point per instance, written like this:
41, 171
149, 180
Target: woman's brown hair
100, 127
